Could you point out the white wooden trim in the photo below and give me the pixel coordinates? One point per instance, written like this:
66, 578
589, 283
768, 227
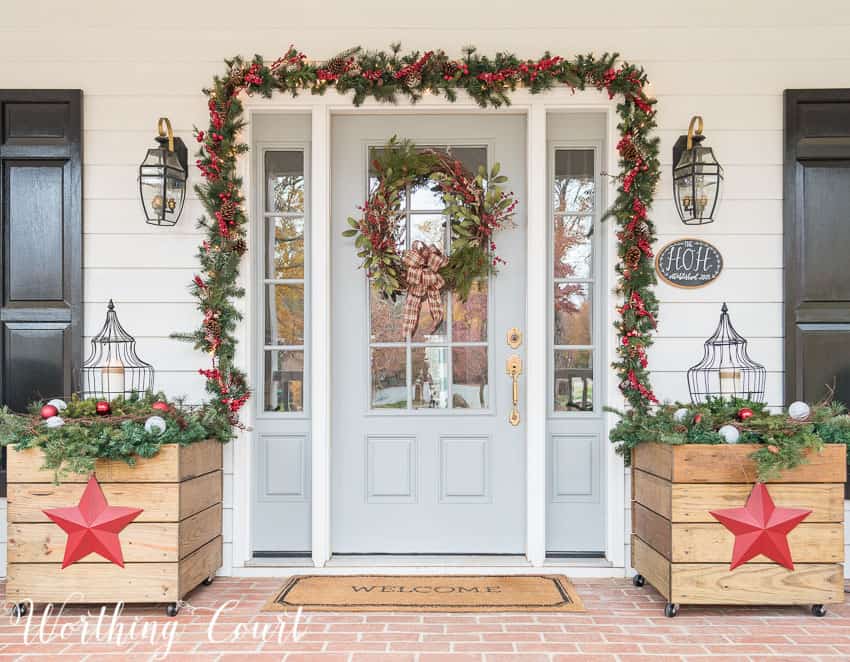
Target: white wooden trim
245, 356
537, 342
535, 108
320, 333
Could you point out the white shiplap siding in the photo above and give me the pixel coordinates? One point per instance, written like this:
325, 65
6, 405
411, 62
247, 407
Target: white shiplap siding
728, 61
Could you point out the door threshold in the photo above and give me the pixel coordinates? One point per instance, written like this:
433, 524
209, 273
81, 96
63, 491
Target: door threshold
430, 560
473, 562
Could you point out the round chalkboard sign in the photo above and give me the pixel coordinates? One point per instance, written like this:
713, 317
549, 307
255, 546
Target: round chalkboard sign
688, 263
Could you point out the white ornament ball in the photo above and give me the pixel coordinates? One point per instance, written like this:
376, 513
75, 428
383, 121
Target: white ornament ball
54, 421
61, 405
155, 425
680, 415
730, 434
799, 411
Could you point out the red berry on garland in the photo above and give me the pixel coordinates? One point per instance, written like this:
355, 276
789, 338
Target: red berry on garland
159, 405
49, 411
745, 413
697, 419
102, 407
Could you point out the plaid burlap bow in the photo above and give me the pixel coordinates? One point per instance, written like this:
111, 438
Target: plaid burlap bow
424, 281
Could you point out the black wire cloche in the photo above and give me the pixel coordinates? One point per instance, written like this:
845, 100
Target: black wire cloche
113, 368
726, 370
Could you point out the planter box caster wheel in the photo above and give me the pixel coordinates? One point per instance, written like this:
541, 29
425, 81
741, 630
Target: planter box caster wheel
19, 610
172, 609
209, 580
818, 610
638, 580
671, 609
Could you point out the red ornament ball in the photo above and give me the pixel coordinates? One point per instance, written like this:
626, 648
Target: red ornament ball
49, 411
159, 405
745, 413
102, 407
697, 419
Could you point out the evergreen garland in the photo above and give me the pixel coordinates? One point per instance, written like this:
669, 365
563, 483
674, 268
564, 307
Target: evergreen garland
86, 437
784, 442
385, 76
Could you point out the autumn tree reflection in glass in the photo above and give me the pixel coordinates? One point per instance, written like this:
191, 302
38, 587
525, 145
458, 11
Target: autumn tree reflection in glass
573, 205
284, 278
442, 368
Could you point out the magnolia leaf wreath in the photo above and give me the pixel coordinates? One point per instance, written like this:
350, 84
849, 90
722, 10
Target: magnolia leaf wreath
476, 208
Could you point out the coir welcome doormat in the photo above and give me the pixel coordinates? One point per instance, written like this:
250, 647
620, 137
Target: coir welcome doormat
427, 593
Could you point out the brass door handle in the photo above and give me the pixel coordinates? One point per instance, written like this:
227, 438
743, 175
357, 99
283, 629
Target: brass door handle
513, 367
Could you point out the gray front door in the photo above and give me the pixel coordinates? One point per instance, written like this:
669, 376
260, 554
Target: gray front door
424, 458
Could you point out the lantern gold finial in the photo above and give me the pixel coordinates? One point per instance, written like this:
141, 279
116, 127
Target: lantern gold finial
168, 132
695, 120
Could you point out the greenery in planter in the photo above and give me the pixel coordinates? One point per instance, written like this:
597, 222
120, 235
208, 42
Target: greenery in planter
785, 441
119, 435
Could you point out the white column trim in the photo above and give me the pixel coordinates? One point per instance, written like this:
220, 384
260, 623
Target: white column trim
320, 332
536, 336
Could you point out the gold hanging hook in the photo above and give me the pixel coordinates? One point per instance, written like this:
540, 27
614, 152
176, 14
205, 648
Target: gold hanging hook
696, 119
166, 132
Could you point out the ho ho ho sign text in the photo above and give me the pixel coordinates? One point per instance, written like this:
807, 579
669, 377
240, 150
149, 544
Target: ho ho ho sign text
688, 263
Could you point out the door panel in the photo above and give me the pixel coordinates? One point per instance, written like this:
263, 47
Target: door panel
816, 236
41, 311
423, 457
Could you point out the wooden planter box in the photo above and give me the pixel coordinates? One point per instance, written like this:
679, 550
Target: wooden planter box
173, 546
685, 553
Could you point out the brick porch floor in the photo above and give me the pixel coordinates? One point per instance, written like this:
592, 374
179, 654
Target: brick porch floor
622, 623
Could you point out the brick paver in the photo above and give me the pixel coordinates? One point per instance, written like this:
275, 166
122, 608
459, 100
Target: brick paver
622, 623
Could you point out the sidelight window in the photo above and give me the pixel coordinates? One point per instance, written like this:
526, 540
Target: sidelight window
284, 280
574, 284
442, 368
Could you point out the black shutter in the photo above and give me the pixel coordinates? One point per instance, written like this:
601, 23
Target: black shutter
41, 314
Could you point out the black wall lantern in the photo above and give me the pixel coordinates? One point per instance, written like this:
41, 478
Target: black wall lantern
162, 177
697, 177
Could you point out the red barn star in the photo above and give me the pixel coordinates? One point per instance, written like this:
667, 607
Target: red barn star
761, 528
93, 526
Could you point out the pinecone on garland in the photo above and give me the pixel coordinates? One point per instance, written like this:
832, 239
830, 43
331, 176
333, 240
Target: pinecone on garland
633, 256
354, 70
630, 152
413, 80
228, 210
213, 327
239, 247
337, 65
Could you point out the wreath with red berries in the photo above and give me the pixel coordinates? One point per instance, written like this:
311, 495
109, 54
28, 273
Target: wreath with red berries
476, 208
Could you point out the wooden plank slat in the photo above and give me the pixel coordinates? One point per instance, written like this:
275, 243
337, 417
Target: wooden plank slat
728, 463
200, 493
713, 543
652, 529
692, 502
145, 542
654, 567
199, 529
199, 565
92, 583
173, 463
764, 584
159, 502
200, 458
652, 492
656, 459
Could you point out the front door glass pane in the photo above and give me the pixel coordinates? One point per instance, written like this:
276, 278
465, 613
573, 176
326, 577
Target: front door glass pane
443, 366
573, 341
284, 281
